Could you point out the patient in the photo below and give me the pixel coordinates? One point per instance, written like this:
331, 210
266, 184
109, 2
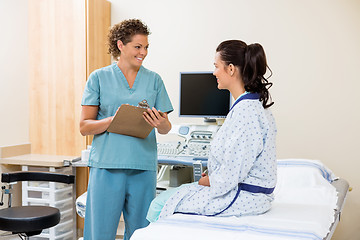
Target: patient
242, 160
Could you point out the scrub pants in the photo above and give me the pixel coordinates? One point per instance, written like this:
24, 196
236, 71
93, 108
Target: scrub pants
112, 191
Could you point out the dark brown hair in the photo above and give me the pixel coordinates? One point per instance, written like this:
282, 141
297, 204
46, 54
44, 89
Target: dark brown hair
251, 61
124, 31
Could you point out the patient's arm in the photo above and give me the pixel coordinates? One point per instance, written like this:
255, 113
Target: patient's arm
204, 180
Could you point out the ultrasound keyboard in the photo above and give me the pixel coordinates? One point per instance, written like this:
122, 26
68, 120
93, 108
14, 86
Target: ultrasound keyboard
179, 149
168, 148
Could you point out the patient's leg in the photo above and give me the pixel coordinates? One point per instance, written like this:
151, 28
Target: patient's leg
158, 203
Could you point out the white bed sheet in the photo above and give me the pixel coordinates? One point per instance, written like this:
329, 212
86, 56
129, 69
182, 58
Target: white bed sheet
303, 208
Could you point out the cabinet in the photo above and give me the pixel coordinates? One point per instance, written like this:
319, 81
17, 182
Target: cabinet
67, 41
58, 195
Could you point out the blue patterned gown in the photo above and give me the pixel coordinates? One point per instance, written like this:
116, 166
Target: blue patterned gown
243, 151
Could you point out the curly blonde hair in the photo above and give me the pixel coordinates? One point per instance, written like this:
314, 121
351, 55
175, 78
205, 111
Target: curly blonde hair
124, 31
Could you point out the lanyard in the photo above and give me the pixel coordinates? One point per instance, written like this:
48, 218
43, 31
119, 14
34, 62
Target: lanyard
245, 96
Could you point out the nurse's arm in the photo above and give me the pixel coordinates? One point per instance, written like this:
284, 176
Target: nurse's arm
88, 123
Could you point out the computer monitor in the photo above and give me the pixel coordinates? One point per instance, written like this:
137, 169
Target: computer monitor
200, 97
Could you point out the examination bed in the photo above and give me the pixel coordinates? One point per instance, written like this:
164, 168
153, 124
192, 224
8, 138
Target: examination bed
308, 202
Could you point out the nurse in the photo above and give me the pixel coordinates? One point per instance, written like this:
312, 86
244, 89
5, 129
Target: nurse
242, 159
122, 168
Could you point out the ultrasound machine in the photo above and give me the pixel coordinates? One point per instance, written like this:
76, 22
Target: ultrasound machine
184, 161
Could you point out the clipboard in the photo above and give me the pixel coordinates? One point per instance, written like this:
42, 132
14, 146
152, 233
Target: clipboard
129, 121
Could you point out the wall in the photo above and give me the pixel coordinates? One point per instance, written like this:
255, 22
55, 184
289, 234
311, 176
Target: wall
14, 96
313, 50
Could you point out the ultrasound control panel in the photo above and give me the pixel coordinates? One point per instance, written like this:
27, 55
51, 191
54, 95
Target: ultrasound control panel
196, 141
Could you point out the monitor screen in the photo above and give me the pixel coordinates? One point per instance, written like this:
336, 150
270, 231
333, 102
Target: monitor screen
200, 97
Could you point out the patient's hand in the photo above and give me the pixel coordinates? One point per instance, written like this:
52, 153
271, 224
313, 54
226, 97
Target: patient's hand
204, 181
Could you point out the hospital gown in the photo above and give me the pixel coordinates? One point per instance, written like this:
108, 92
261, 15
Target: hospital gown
243, 151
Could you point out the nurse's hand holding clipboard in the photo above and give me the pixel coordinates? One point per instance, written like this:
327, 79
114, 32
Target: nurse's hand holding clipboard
158, 120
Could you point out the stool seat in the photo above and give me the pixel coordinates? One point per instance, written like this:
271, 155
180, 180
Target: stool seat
27, 219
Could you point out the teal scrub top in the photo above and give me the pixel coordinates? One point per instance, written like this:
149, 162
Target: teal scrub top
108, 88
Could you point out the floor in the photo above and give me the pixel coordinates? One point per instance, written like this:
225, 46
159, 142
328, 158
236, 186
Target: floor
11, 237
15, 237
6, 236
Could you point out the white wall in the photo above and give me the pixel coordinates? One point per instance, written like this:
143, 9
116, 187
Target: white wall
14, 108
313, 49
14, 92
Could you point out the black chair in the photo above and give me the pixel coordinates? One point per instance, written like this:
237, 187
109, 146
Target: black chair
28, 221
